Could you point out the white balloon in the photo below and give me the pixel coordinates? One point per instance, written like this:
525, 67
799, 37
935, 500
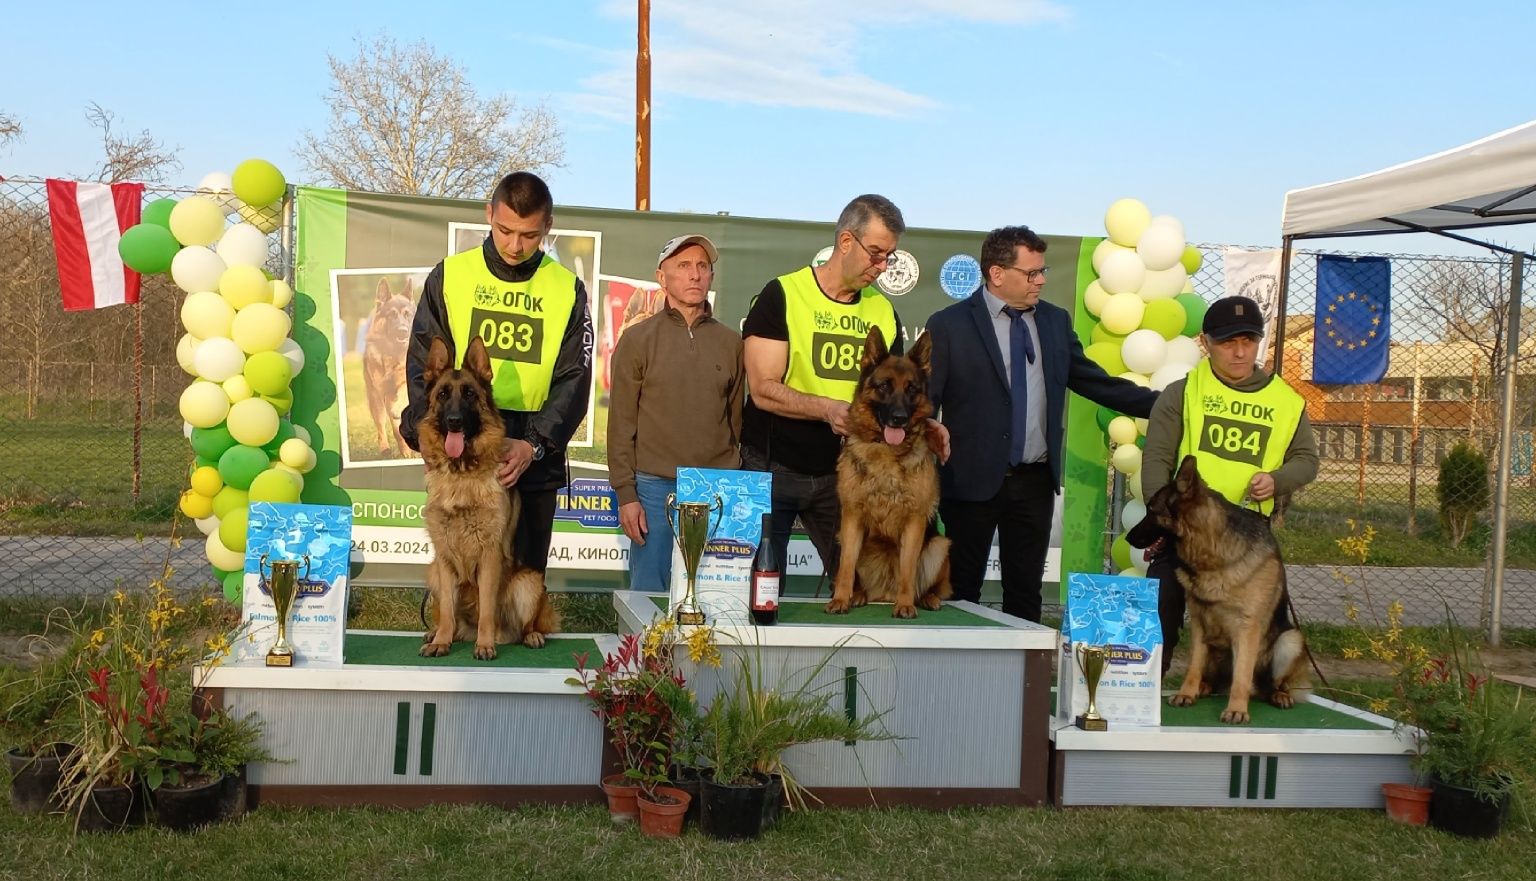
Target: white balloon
207, 525
1102, 250
295, 355
1169, 220
1122, 430
1144, 351
300, 431
1123, 272
1141, 380
243, 245
220, 187
1094, 297
218, 359
1160, 284
1134, 484
186, 347
1161, 246
186, 430
1169, 373
1183, 350
1141, 426
1131, 514
196, 268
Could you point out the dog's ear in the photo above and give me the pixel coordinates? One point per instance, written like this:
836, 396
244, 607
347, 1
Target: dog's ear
477, 360
410, 288
922, 353
1187, 481
874, 348
439, 359
382, 293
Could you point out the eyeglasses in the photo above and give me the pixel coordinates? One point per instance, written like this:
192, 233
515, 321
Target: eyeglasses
876, 257
1032, 275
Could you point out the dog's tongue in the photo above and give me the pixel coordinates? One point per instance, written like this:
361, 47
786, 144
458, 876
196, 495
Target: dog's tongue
453, 444
894, 436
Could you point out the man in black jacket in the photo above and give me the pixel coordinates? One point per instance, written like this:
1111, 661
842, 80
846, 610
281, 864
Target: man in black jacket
532, 313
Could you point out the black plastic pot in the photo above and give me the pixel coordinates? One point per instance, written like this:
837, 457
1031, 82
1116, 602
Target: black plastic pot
689, 780
190, 807
1458, 809
112, 809
733, 812
35, 779
773, 802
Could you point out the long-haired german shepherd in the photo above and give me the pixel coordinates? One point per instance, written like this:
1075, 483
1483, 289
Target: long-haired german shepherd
389, 335
1234, 584
479, 591
888, 482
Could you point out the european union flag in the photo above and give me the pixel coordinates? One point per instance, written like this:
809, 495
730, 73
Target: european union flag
1353, 320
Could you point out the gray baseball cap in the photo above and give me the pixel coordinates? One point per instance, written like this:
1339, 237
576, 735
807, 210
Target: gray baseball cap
676, 244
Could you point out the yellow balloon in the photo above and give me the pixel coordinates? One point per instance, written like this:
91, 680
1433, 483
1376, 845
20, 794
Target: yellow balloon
276, 486
252, 422
1121, 313
196, 505
1125, 221
186, 347
260, 327
205, 405
207, 482
197, 220
1126, 459
265, 219
238, 388
206, 315
220, 556
1094, 297
293, 453
1140, 379
310, 462
1122, 430
282, 294
293, 472
243, 285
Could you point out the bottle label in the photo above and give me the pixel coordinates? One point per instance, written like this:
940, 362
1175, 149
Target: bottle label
765, 591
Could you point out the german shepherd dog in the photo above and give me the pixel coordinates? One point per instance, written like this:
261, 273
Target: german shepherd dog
479, 591
389, 334
888, 482
1234, 585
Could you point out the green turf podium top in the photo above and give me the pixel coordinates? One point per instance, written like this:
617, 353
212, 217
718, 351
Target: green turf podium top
373, 649
1206, 713
873, 615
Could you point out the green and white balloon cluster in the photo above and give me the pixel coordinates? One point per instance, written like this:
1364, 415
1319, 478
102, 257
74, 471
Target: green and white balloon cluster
238, 349
1148, 316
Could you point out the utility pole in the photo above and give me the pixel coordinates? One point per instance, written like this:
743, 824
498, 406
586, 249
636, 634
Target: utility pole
643, 111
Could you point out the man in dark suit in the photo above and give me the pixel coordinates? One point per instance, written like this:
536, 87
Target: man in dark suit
1002, 363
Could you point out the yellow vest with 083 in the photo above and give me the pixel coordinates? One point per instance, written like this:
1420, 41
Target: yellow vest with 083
521, 323
826, 338
1234, 435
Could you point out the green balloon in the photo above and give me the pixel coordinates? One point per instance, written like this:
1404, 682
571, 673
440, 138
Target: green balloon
1107, 356
284, 432
199, 461
274, 486
1120, 552
228, 500
232, 530
239, 466
269, 373
211, 443
1104, 416
234, 587
147, 248
1166, 317
158, 212
221, 574
1101, 334
1194, 312
1191, 259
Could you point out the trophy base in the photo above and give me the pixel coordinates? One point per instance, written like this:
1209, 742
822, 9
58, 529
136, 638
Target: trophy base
1097, 723
690, 616
279, 660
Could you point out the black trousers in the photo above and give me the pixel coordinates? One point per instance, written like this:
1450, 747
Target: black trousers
1020, 515
535, 524
813, 498
1170, 597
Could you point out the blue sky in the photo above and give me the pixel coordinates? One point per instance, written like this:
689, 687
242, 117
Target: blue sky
969, 114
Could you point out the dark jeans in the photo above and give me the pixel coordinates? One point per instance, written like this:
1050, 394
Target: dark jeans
812, 498
535, 523
1020, 514
1170, 596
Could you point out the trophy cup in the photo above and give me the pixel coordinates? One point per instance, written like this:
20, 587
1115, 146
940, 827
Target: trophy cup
283, 584
691, 529
1091, 659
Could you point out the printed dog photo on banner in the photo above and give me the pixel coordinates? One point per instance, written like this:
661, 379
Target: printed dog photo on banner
580, 251
372, 310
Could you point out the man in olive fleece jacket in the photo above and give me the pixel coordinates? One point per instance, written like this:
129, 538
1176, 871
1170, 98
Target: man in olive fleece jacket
1231, 332
676, 402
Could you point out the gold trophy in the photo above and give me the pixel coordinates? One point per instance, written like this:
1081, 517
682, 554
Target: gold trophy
692, 530
283, 584
1091, 660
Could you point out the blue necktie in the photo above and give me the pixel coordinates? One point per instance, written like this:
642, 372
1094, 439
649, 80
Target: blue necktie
1021, 350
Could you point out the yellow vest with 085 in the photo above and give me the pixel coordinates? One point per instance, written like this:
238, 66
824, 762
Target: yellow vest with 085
826, 338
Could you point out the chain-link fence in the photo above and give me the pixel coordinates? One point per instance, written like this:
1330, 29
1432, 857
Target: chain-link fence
92, 456
1415, 456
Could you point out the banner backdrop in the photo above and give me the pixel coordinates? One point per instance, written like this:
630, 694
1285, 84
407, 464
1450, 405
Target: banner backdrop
362, 257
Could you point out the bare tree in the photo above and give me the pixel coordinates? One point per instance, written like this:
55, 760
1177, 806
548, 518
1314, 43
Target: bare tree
1471, 300
405, 120
10, 129
132, 157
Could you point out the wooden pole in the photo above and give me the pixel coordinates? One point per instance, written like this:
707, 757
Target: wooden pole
1413, 446
1365, 441
643, 111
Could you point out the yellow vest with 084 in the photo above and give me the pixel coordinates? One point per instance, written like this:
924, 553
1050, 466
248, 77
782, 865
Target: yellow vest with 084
521, 323
1234, 435
826, 338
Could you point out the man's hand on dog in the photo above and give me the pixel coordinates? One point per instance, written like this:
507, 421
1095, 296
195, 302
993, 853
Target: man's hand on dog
632, 521
938, 440
837, 417
516, 453
1262, 487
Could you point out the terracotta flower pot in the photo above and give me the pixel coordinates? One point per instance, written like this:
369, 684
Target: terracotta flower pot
1407, 804
622, 807
664, 819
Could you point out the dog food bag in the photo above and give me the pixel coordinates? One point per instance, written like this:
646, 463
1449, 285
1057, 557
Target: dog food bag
319, 539
1119, 613
738, 499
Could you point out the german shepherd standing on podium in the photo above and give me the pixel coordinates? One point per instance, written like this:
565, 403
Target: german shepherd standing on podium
1234, 585
888, 483
479, 591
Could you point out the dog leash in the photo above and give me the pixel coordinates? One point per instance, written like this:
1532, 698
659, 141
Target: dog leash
1290, 602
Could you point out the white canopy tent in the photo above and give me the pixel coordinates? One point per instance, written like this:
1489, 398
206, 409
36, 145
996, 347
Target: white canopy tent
1489, 182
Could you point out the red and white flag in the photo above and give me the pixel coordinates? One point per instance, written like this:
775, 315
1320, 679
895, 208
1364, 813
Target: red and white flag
88, 222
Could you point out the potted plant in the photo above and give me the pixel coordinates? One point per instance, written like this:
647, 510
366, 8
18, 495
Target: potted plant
35, 707
217, 746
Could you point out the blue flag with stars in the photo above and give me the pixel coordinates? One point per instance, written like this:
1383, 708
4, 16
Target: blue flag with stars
1353, 320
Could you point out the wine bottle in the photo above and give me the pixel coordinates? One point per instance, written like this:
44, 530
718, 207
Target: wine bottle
765, 578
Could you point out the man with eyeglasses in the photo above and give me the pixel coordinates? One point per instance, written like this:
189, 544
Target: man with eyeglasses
1003, 360
802, 341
